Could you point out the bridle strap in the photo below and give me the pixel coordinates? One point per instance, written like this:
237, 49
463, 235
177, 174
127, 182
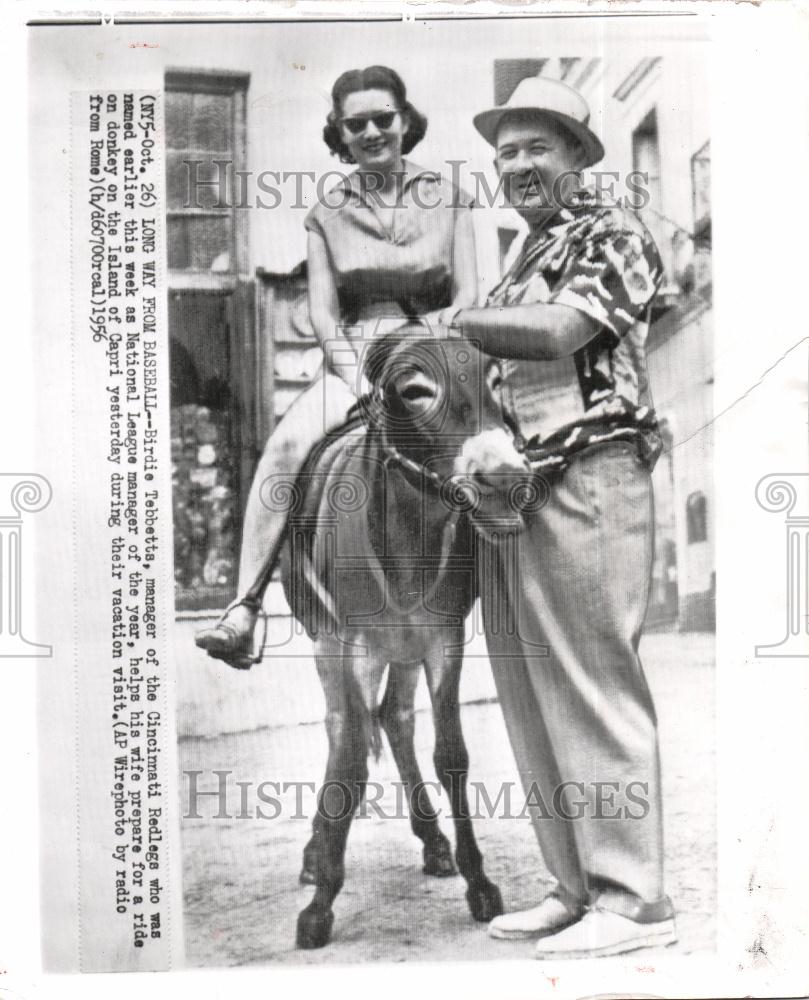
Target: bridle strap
379, 575
424, 475
392, 453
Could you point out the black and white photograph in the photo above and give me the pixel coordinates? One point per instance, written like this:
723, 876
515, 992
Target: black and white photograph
443, 232
400, 500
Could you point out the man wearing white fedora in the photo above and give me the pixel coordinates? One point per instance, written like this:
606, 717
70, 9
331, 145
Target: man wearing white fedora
569, 321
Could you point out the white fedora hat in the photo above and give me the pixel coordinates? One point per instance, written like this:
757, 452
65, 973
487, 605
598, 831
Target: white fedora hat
551, 98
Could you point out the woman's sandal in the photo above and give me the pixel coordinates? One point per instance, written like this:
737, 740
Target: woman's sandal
235, 646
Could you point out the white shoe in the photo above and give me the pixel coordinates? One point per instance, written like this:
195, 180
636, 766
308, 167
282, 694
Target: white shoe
549, 917
600, 933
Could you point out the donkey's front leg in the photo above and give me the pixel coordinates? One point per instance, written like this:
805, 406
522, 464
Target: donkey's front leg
346, 773
308, 873
350, 685
452, 766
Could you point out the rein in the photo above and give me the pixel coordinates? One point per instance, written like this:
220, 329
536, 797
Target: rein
409, 465
379, 575
392, 453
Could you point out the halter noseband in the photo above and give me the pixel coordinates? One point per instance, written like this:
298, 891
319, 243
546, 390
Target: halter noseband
409, 465
392, 453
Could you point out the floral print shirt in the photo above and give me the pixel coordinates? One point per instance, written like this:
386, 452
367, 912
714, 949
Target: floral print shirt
598, 258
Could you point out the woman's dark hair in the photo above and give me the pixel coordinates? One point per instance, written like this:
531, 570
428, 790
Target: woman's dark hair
371, 78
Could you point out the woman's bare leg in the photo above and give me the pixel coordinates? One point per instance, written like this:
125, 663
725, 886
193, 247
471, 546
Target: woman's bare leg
319, 409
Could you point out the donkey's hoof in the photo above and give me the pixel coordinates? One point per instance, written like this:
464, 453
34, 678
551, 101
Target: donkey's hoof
308, 875
314, 927
438, 860
485, 901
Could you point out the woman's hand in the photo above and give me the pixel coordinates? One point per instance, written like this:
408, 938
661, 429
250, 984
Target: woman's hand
441, 321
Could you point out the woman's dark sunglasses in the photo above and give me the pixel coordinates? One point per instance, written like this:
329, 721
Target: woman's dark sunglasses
357, 124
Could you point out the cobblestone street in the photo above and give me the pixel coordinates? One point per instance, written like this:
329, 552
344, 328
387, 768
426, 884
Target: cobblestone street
241, 886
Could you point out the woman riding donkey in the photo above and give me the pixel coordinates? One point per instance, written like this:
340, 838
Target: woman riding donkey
390, 240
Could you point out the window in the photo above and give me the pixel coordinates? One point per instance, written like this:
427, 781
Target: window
212, 359
205, 125
696, 517
701, 190
509, 72
646, 159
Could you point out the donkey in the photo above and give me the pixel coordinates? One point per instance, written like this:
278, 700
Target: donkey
379, 569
